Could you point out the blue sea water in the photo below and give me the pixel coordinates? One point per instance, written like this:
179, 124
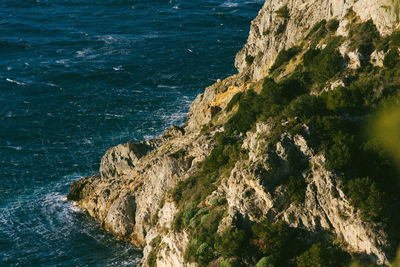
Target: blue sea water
79, 76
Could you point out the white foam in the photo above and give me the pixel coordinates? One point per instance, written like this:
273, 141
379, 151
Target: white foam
118, 68
229, 4
12, 81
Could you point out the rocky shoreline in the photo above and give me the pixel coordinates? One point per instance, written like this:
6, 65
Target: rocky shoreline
131, 195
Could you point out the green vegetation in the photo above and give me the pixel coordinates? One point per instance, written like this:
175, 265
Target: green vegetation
392, 58
285, 56
319, 255
249, 60
364, 37
332, 25
359, 148
283, 12
323, 64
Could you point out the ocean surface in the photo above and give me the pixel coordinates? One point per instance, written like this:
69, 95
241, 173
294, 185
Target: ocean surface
80, 76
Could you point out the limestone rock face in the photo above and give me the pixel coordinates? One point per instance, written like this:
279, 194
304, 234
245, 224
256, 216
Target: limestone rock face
270, 32
325, 207
130, 197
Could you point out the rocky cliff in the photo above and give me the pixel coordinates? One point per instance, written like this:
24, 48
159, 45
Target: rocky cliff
163, 195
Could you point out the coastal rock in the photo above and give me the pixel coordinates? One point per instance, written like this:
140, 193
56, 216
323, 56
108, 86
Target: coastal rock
270, 32
131, 195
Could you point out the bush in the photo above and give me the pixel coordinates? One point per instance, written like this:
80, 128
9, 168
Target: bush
365, 196
283, 12
231, 243
326, 64
249, 60
285, 56
266, 262
316, 27
391, 59
235, 99
296, 187
363, 36
272, 238
319, 255
332, 25
395, 39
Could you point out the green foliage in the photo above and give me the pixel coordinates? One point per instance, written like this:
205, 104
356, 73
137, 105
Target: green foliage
249, 60
232, 242
296, 187
392, 58
332, 25
266, 262
235, 99
270, 102
155, 245
285, 56
319, 255
363, 36
323, 64
283, 12
395, 39
273, 238
316, 28
203, 237
364, 195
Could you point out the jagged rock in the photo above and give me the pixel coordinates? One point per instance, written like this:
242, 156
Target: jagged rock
130, 195
303, 15
377, 58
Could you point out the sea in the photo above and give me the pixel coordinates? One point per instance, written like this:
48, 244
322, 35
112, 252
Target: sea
80, 76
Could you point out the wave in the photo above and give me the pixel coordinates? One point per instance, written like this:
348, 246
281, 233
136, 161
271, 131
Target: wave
12, 81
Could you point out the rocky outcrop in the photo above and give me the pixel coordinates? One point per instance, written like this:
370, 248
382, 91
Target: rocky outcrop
325, 208
130, 196
270, 31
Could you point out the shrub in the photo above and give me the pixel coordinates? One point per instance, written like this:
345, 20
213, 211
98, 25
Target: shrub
332, 25
235, 99
316, 27
365, 195
249, 60
285, 56
391, 59
232, 242
363, 36
326, 64
272, 238
395, 39
296, 187
283, 12
319, 255
266, 262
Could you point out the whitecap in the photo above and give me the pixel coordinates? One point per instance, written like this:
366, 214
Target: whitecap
176, 7
229, 4
12, 81
118, 68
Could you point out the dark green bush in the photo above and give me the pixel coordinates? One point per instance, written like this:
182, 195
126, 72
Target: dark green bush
316, 27
363, 36
235, 99
392, 58
249, 60
332, 25
283, 12
319, 255
285, 56
395, 39
296, 187
232, 242
364, 195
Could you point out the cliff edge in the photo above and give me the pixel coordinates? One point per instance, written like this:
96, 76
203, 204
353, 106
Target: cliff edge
270, 166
